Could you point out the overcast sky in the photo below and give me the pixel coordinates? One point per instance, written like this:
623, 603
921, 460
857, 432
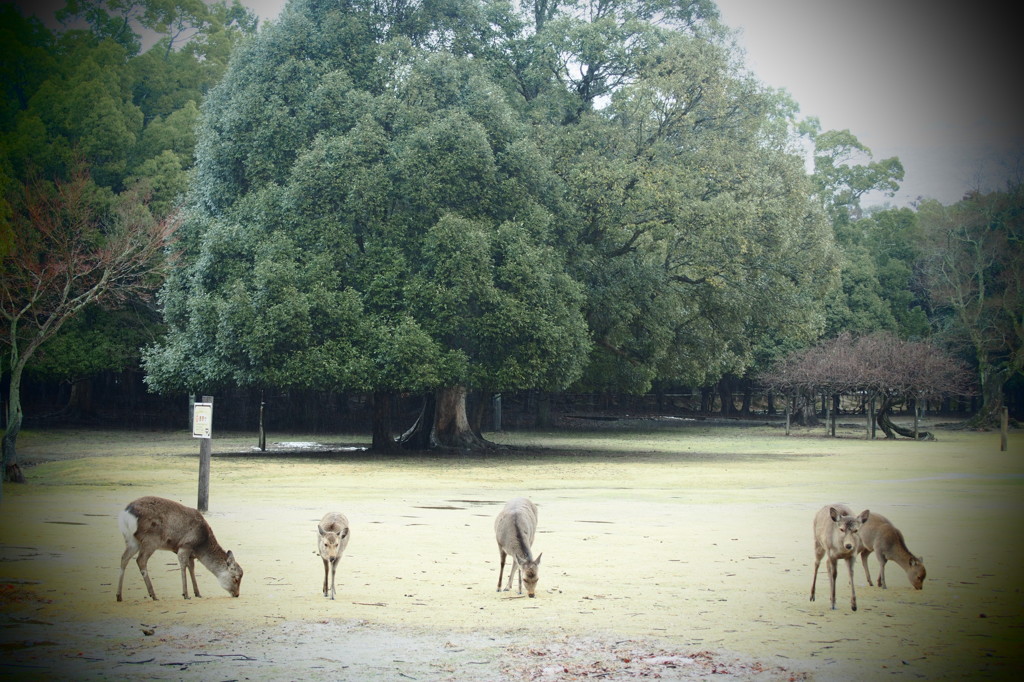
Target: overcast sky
932, 82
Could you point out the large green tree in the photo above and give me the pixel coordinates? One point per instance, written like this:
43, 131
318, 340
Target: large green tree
369, 214
690, 218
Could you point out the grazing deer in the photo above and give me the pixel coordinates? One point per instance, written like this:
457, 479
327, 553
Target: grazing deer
514, 529
332, 541
836, 533
152, 523
879, 535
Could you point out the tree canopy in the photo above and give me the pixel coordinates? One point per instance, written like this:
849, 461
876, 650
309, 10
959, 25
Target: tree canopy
400, 202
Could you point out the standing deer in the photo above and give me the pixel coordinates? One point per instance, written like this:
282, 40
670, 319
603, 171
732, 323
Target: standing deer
879, 535
152, 523
333, 539
836, 533
514, 529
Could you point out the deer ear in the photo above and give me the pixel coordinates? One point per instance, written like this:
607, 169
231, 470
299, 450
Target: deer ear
320, 530
864, 515
537, 560
344, 534
834, 513
231, 556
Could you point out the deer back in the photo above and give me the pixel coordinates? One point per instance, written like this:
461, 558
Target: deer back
515, 527
166, 524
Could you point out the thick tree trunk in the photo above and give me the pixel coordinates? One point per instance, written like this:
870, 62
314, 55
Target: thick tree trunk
443, 424
451, 424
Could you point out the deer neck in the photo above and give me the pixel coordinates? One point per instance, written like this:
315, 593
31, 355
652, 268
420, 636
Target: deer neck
901, 555
211, 555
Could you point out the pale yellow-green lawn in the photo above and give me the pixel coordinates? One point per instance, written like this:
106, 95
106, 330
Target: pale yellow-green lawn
657, 541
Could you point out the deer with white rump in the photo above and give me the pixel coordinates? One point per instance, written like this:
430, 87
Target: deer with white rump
836, 533
879, 535
152, 523
514, 529
333, 539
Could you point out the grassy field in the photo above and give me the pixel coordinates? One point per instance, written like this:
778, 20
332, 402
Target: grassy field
672, 548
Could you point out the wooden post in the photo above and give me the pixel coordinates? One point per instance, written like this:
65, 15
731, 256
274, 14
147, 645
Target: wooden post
789, 402
205, 449
1004, 429
496, 406
828, 413
263, 431
871, 418
835, 412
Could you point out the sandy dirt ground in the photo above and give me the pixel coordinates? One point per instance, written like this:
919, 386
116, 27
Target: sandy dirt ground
686, 558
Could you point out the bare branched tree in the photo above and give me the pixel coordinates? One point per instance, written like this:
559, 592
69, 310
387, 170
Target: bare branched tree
70, 249
879, 365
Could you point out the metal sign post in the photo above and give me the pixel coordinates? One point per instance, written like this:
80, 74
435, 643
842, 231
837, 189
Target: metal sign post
202, 428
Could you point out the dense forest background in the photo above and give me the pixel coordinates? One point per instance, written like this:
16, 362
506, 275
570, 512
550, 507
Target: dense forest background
386, 214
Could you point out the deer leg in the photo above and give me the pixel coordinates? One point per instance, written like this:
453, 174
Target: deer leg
881, 569
334, 568
817, 562
853, 590
513, 566
192, 573
867, 571
125, 558
325, 577
833, 573
142, 561
183, 555
501, 568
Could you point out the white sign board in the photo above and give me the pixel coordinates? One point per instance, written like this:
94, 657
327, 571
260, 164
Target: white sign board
202, 420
